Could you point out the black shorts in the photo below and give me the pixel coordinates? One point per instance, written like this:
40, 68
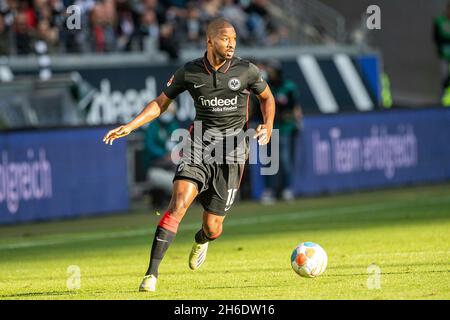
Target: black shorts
217, 183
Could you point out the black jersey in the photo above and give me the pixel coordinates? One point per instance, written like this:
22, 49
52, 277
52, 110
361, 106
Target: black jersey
221, 102
220, 97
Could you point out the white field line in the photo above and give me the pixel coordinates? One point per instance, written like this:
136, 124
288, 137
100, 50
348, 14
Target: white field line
403, 253
267, 218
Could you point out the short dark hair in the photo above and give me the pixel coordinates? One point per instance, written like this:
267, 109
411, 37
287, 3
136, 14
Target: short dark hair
215, 25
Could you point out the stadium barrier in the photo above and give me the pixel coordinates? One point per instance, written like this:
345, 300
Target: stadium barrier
346, 152
327, 82
112, 89
59, 173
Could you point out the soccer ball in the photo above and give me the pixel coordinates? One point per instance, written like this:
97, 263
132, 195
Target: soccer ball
309, 260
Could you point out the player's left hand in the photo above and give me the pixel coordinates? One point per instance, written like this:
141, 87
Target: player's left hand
263, 134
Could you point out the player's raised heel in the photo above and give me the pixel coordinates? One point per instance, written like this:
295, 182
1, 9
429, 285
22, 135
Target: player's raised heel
148, 284
198, 255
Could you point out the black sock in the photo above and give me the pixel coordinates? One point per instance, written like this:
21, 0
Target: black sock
161, 242
201, 237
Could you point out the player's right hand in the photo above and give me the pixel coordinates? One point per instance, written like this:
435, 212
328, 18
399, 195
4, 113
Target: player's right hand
263, 134
116, 133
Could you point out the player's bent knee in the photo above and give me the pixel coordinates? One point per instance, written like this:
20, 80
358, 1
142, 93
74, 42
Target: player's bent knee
213, 231
178, 207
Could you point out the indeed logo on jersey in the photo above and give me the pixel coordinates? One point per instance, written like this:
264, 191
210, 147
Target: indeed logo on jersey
219, 104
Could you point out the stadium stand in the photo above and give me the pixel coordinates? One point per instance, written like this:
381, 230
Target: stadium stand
167, 25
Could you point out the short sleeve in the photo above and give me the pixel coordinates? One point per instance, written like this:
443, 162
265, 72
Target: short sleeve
256, 82
175, 85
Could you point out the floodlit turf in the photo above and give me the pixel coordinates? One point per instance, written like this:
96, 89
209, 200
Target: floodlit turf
404, 232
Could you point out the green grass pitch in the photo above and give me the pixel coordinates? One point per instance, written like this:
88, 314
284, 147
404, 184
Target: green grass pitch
404, 232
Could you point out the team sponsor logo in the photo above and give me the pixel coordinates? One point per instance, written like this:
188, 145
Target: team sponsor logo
170, 81
26, 180
216, 102
234, 84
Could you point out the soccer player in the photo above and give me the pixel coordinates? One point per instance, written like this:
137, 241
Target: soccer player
220, 85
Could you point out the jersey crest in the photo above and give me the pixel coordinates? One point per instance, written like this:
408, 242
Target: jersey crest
234, 84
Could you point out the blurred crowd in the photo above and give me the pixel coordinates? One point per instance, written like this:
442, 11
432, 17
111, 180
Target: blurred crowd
28, 26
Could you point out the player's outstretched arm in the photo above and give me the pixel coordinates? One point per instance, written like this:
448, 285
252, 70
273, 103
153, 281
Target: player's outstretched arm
264, 130
150, 112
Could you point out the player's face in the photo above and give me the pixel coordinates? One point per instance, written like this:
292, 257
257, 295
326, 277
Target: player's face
224, 43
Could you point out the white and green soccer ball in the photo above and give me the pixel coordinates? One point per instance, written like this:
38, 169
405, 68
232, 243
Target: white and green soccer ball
309, 260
